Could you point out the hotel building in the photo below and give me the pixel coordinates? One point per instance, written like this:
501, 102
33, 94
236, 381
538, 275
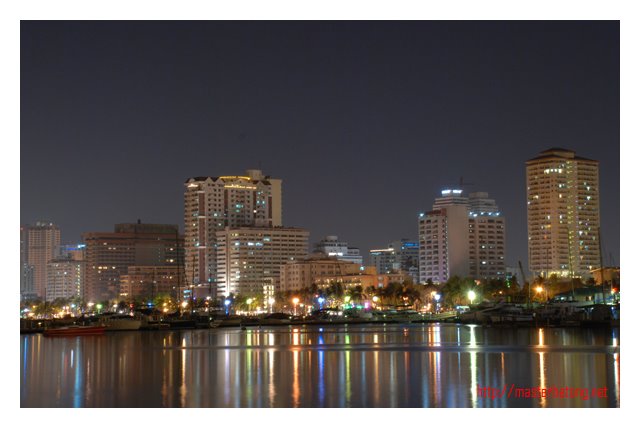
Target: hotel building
212, 204
563, 214
463, 236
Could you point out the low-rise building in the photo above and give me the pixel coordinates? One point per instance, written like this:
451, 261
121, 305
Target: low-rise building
324, 271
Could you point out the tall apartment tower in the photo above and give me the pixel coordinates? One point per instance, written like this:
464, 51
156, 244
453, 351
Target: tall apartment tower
43, 241
563, 213
109, 255
212, 204
463, 236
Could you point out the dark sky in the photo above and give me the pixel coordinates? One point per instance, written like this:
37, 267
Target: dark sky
364, 121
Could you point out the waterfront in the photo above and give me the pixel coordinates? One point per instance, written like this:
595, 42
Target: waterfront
389, 365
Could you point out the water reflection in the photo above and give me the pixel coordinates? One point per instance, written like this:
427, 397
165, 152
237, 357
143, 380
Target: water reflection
337, 366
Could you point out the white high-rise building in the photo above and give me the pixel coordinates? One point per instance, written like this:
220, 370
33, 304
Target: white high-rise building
250, 258
212, 204
563, 213
463, 236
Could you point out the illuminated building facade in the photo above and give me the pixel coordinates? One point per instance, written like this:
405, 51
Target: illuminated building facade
212, 204
250, 258
563, 214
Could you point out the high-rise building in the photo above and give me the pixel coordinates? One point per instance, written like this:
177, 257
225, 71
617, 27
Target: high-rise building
401, 255
332, 247
463, 236
43, 241
213, 203
250, 258
487, 238
563, 213
26, 270
110, 254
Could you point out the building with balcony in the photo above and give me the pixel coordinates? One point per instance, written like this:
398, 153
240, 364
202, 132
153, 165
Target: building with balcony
212, 204
563, 214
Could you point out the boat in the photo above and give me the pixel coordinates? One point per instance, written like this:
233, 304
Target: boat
74, 330
116, 322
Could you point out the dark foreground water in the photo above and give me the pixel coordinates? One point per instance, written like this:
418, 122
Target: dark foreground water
418, 365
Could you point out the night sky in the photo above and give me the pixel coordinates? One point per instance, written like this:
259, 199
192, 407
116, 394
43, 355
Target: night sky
365, 122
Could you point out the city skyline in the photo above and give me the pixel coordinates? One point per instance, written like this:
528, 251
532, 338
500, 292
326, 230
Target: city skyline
344, 151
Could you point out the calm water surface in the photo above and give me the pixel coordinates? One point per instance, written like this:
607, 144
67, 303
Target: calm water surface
418, 365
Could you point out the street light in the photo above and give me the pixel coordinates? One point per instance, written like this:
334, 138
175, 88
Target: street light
295, 305
227, 302
320, 301
472, 295
249, 300
271, 301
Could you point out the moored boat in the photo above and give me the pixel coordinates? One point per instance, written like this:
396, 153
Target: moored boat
120, 322
74, 330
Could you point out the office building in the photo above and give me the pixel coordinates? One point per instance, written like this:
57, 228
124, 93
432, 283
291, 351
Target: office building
249, 258
333, 247
212, 204
110, 254
563, 214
